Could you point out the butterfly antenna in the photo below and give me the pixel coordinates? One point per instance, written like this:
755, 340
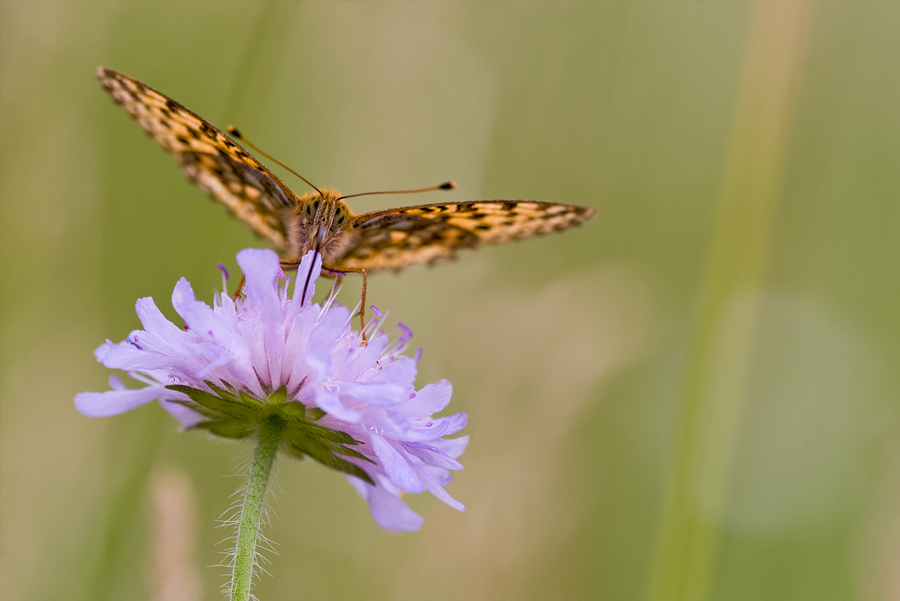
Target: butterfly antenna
444, 186
234, 132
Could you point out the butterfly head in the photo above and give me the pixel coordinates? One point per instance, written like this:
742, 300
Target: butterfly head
323, 223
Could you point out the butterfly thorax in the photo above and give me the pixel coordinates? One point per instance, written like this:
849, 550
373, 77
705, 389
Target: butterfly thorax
320, 222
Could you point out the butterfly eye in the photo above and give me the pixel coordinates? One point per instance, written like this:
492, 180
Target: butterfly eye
311, 208
340, 217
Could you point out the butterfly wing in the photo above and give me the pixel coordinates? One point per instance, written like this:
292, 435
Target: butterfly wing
432, 233
211, 159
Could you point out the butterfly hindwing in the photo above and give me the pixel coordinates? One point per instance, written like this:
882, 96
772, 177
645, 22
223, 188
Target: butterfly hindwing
216, 163
396, 238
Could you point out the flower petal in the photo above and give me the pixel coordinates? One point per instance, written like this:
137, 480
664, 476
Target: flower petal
114, 402
388, 511
330, 402
126, 355
451, 447
441, 426
437, 489
157, 325
383, 395
431, 399
398, 470
432, 455
307, 274
187, 417
261, 267
401, 370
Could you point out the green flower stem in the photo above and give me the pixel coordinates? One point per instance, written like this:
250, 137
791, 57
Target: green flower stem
248, 527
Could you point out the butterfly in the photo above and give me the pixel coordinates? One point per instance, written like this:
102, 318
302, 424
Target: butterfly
321, 220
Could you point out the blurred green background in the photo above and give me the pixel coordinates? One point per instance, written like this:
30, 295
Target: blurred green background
694, 396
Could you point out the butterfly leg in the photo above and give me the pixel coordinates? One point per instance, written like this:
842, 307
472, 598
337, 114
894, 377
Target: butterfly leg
240, 288
362, 305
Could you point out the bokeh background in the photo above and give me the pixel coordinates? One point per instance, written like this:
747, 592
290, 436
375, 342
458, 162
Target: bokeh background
694, 396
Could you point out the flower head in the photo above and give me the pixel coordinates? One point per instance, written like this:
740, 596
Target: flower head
271, 356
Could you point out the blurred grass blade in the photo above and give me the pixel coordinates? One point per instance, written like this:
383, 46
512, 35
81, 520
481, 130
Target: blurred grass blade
724, 334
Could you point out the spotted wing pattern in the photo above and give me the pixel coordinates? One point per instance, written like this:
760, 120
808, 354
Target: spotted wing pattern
217, 164
433, 233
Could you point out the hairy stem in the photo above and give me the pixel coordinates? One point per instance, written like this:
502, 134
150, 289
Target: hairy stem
248, 526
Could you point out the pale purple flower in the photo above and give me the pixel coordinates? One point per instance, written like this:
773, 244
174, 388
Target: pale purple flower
269, 355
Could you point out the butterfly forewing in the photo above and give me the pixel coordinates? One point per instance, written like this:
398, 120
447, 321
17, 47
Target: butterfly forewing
396, 238
217, 164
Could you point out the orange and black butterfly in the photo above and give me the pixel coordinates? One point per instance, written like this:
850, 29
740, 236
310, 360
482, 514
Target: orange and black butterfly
321, 220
